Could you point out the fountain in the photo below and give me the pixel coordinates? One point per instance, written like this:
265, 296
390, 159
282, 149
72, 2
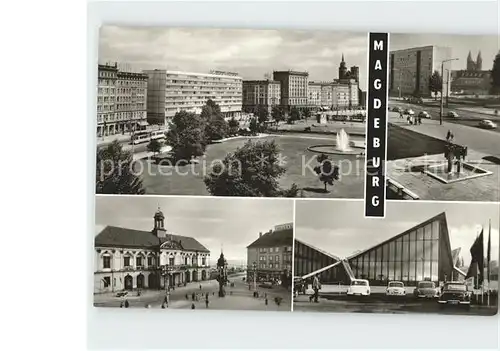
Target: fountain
343, 141
343, 146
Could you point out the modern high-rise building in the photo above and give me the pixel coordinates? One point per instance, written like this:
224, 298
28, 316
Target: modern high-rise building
172, 91
121, 100
420, 253
410, 69
271, 254
294, 88
265, 93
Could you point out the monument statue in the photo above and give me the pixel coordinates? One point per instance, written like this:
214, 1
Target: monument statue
222, 276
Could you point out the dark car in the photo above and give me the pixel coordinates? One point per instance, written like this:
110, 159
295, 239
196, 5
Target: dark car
454, 293
266, 285
396, 109
426, 290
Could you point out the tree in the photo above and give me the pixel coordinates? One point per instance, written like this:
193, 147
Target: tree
277, 114
252, 170
327, 171
115, 171
294, 115
216, 126
435, 83
307, 113
262, 114
234, 126
186, 136
154, 146
495, 75
254, 126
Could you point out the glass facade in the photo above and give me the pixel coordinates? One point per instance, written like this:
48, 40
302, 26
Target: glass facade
421, 253
411, 257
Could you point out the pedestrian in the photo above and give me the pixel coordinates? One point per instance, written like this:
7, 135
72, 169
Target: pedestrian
206, 302
192, 296
126, 304
200, 286
163, 305
192, 306
206, 296
266, 301
316, 285
121, 304
187, 297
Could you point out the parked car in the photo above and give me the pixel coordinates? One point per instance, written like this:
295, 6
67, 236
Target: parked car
426, 289
266, 285
395, 289
487, 124
396, 109
424, 114
409, 111
455, 293
299, 285
453, 114
121, 293
359, 287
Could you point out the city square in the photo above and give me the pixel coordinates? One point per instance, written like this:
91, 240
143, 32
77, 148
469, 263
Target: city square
137, 268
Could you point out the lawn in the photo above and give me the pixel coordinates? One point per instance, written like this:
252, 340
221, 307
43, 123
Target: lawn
404, 143
188, 180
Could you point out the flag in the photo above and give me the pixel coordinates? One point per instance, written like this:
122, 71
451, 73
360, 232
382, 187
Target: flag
488, 255
476, 268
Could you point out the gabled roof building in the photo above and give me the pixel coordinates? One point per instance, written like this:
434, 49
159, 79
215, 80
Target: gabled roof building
127, 259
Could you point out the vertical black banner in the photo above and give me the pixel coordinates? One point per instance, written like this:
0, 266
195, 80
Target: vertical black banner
376, 131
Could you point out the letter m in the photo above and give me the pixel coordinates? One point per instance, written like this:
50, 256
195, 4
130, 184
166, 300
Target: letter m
378, 45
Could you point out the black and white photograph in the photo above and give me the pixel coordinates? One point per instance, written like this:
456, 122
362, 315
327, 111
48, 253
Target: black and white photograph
193, 253
444, 101
434, 258
231, 112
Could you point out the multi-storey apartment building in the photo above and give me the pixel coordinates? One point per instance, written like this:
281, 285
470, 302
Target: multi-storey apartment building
271, 253
127, 259
410, 69
265, 93
121, 100
172, 91
315, 95
294, 88
345, 94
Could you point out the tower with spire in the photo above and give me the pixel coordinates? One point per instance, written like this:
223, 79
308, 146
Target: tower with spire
342, 69
479, 62
470, 62
159, 224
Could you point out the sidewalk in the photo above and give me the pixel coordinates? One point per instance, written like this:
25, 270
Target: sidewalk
482, 110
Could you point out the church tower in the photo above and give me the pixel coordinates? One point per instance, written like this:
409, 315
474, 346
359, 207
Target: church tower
470, 62
159, 224
479, 62
342, 69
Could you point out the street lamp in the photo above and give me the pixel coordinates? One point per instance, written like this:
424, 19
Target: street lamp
442, 85
254, 276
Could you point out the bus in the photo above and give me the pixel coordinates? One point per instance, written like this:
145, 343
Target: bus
141, 137
158, 134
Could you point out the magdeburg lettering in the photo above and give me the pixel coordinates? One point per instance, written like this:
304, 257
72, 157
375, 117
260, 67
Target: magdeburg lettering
376, 137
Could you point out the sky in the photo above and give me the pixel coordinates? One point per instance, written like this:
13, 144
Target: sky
251, 53
230, 224
339, 227
460, 45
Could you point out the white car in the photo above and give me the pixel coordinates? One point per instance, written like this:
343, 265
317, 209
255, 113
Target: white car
487, 124
409, 111
395, 289
453, 114
359, 287
424, 114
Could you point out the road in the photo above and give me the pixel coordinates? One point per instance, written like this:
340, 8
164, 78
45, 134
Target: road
238, 297
379, 303
467, 118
